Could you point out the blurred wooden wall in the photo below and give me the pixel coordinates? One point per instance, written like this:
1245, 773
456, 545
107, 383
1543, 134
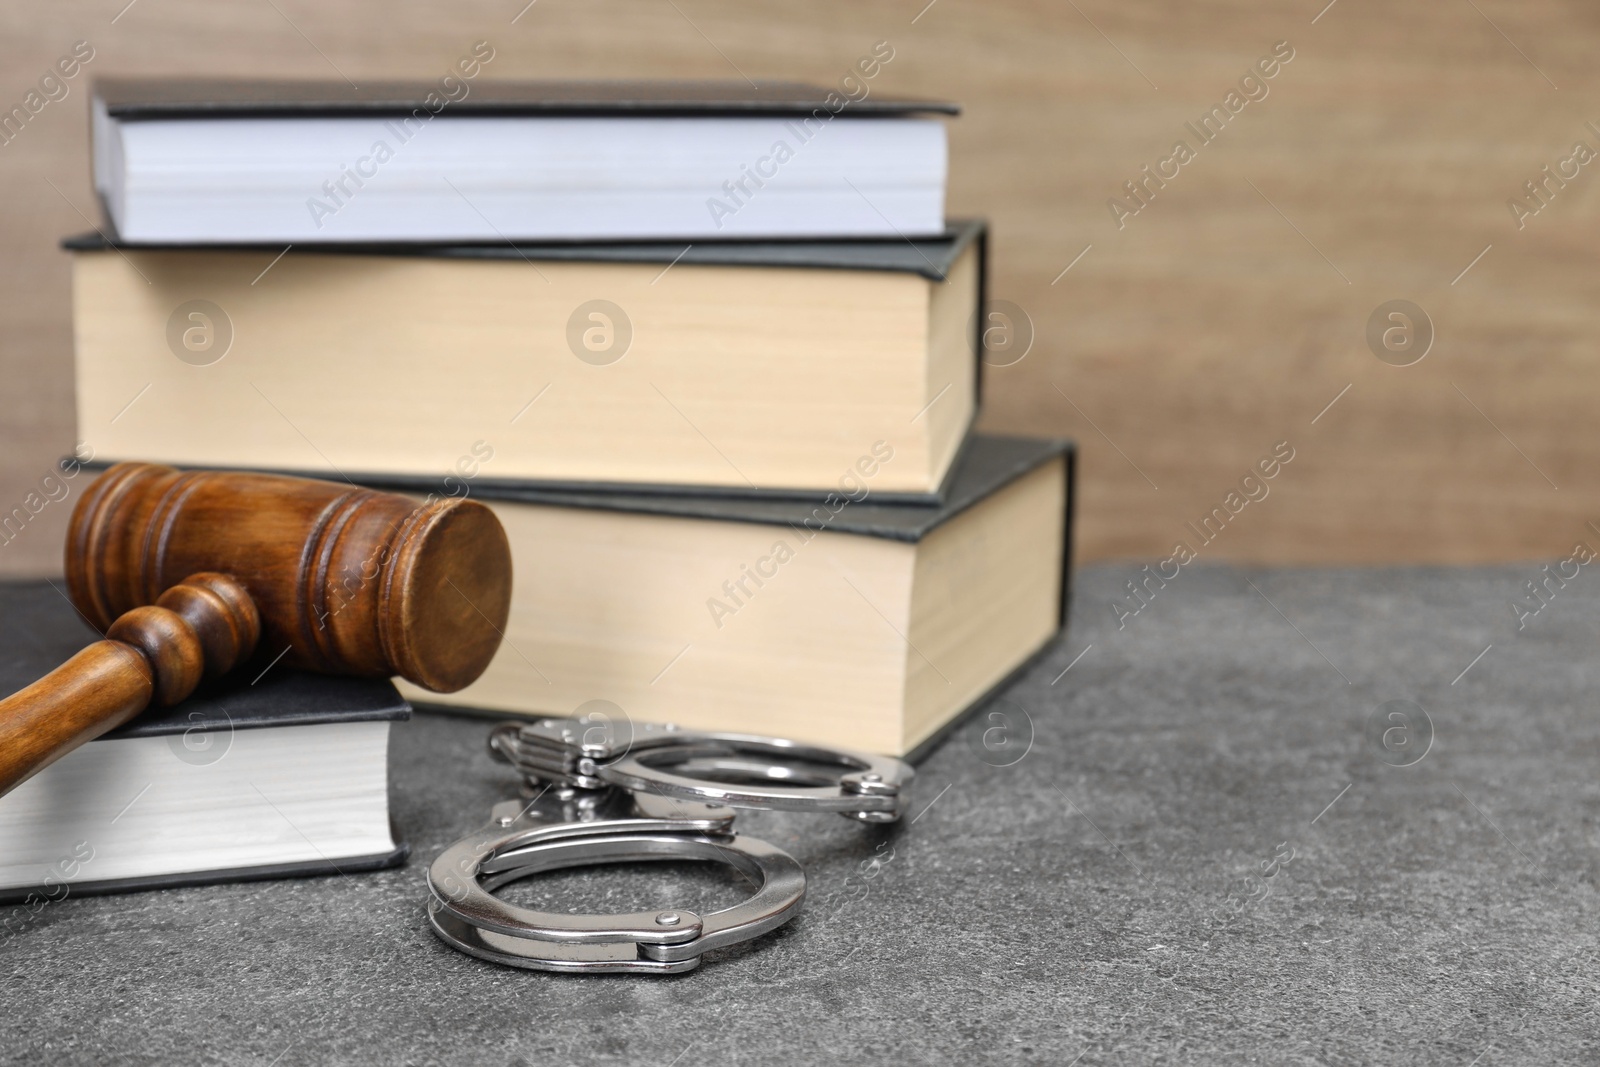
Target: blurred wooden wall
1221, 319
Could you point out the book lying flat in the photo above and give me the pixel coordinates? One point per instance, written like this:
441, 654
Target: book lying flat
751, 368
284, 777
849, 622
469, 159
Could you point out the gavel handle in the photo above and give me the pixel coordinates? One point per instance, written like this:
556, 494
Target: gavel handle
155, 654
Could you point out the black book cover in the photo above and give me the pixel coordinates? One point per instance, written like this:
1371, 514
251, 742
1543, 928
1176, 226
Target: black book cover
931, 257
989, 464
221, 98
40, 630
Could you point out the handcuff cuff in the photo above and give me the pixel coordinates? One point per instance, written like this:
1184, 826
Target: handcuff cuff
655, 793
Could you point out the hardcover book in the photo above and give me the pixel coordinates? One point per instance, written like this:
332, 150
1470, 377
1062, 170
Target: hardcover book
753, 368
286, 775
466, 158
848, 622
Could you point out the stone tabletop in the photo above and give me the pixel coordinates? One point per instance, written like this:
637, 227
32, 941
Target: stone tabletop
1277, 817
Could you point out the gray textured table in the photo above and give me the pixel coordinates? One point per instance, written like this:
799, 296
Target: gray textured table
1203, 858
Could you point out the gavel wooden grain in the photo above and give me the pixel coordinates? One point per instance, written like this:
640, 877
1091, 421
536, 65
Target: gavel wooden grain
186, 573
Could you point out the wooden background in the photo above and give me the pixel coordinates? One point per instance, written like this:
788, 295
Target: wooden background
1222, 319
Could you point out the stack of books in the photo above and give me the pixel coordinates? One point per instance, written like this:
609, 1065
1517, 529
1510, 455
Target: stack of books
712, 352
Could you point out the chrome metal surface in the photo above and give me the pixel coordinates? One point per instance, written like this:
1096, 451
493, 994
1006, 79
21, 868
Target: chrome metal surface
740, 770
561, 829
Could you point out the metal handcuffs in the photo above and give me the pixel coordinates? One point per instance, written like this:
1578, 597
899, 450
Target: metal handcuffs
610, 792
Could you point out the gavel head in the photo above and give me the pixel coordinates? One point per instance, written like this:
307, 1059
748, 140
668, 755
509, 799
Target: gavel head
347, 580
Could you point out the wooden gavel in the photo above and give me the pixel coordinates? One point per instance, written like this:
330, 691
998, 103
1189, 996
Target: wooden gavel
186, 572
